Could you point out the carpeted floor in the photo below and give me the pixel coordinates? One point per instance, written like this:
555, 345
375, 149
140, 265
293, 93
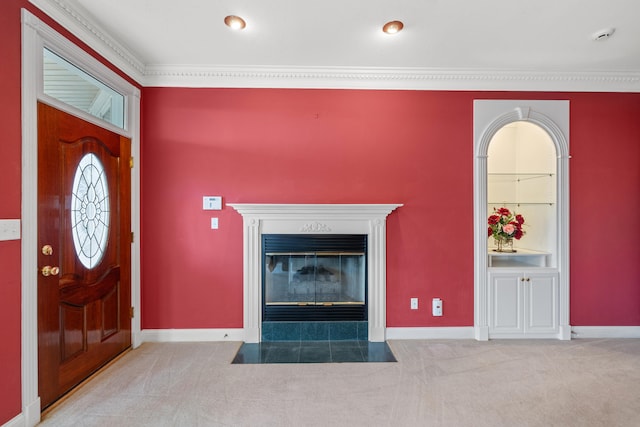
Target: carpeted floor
434, 383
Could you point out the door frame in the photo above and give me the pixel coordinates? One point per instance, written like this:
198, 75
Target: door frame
489, 116
36, 35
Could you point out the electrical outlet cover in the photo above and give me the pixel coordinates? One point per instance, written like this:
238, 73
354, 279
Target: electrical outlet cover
437, 307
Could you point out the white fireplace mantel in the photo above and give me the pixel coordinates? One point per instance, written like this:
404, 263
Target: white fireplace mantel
260, 218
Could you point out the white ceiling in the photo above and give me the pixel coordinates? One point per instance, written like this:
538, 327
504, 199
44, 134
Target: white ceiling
446, 44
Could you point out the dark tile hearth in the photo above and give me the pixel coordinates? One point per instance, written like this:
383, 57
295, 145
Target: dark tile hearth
315, 331
314, 352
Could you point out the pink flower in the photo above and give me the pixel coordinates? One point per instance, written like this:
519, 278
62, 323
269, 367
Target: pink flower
509, 229
505, 224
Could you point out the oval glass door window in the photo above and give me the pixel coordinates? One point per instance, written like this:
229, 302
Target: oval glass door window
90, 211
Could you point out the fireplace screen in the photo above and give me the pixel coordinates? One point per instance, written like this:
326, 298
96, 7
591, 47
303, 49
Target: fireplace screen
314, 277
320, 278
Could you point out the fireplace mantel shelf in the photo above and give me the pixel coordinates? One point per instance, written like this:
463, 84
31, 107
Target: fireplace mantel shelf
359, 210
271, 218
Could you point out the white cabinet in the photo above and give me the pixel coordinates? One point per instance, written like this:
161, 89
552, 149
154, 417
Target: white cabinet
523, 304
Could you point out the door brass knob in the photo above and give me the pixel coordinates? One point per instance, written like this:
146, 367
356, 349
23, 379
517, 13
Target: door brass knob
47, 270
47, 250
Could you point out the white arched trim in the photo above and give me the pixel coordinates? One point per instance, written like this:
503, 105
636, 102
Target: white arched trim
489, 117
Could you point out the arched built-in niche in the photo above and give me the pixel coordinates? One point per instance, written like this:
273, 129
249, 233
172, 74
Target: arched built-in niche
521, 177
538, 275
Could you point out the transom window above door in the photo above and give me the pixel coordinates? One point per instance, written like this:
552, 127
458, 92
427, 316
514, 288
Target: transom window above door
71, 85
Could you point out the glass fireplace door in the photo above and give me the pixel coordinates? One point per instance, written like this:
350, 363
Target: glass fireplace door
314, 278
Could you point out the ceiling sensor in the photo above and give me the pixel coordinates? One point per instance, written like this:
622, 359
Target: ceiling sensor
603, 34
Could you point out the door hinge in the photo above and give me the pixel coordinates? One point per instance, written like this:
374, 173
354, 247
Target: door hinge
132, 312
132, 237
131, 162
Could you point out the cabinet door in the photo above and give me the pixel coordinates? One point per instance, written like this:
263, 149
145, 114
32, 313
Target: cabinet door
541, 313
505, 303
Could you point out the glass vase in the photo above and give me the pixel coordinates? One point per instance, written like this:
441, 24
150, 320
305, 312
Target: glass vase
504, 245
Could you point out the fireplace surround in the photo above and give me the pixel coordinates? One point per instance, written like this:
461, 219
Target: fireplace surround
318, 219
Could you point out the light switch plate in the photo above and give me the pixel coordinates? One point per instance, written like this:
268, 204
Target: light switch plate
9, 229
214, 223
212, 203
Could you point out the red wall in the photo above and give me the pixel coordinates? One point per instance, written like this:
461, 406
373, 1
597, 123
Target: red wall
605, 208
359, 146
10, 194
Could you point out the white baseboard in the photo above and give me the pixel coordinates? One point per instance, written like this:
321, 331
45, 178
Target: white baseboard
17, 421
237, 334
191, 335
454, 333
29, 417
415, 333
605, 332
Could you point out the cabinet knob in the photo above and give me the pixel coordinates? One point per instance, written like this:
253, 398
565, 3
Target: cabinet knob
528, 279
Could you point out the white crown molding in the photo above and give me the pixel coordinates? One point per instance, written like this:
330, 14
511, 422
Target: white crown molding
388, 78
185, 75
94, 36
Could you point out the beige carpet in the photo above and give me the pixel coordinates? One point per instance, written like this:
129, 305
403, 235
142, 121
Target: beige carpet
434, 383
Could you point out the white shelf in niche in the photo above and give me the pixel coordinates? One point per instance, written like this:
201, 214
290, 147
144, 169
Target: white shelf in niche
521, 258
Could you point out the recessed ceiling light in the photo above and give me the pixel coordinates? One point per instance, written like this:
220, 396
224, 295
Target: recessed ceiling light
234, 22
392, 27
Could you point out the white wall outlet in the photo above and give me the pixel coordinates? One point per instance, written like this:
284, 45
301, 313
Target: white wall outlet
211, 203
437, 307
414, 303
214, 223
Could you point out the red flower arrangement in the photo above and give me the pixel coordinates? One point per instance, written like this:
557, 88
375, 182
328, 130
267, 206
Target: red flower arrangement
504, 225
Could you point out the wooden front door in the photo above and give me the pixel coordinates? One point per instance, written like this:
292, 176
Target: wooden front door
84, 238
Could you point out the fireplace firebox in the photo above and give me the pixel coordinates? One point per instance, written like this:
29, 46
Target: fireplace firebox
314, 277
